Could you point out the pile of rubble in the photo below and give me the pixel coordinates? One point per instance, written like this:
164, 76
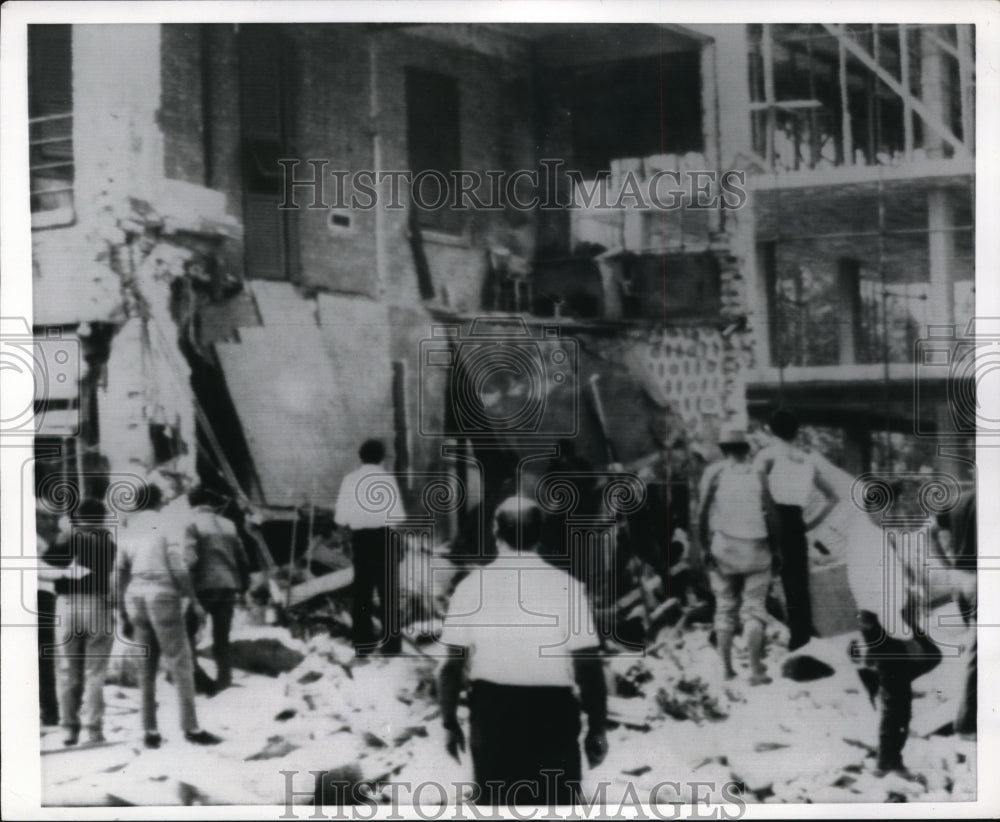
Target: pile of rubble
313, 706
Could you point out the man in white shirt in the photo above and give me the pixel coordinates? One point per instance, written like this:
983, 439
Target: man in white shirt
887, 579
368, 496
789, 475
524, 634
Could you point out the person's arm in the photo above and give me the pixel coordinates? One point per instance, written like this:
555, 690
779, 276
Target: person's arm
765, 463
700, 549
830, 499
242, 561
588, 670
451, 680
178, 561
121, 575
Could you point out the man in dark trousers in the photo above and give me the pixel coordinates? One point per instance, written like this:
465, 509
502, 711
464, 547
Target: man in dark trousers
368, 497
514, 628
220, 573
789, 476
85, 550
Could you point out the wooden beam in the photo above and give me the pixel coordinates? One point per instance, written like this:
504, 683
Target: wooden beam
933, 123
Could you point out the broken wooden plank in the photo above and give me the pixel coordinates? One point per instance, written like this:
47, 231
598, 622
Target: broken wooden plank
327, 584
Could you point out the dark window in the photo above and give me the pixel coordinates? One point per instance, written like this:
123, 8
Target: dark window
434, 143
635, 108
50, 124
266, 107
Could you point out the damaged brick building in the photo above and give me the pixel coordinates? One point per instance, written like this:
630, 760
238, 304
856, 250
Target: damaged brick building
254, 346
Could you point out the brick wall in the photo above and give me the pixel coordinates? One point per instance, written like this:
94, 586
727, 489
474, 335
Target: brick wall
181, 104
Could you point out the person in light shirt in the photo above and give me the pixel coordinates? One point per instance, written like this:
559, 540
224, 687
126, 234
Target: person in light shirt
736, 550
523, 633
789, 475
361, 507
886, 572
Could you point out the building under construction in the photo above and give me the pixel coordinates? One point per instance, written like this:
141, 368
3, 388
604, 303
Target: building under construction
228, 336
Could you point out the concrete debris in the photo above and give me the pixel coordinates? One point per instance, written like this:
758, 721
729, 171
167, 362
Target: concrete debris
313, 706
264, 656
805, 668
275, 748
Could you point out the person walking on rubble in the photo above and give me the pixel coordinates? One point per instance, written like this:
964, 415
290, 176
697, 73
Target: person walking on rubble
523, 633
888, 584
789, 477
153, 573
737, 552
376, 558
219, 575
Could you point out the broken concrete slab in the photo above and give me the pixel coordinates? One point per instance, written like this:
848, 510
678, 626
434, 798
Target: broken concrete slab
805, 668
264, 656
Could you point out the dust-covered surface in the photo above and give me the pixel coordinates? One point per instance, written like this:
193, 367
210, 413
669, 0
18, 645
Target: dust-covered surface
377, 721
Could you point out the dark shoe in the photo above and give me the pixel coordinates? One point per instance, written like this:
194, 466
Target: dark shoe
50, 719
72, 736
203, 683
202, 738
152, 739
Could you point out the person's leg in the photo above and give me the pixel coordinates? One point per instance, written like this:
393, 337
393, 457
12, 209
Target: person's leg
753, 612
483, 739
168, 624
100, 637
145, 637
965, 719
795, 576
203, 683
727, 606
220, 604
366, 565
895, 701
48, 691
387, 583
69, 650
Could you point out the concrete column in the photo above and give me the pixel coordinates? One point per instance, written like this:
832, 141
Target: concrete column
934, 87
941, 256
849, 299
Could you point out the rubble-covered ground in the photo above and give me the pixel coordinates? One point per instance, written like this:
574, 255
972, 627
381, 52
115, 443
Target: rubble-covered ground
377, 719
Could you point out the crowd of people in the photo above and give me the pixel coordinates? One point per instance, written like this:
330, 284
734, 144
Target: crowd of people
165, 568
520, 630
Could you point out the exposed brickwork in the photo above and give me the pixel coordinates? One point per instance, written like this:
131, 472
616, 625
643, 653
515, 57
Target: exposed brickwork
181, 103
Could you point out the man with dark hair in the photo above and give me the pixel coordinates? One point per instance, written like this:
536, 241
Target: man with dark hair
152, 570
514, 627
789, 476
85, 551
368, 497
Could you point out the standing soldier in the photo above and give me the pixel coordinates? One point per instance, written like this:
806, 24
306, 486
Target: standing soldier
219, 574
153, 572
524, 631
